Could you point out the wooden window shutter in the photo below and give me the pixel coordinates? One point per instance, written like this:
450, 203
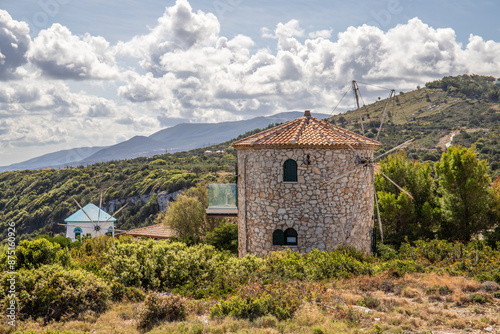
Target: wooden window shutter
290, 171
278, 237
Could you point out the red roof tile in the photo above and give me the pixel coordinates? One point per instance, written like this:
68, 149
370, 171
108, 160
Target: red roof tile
306, 131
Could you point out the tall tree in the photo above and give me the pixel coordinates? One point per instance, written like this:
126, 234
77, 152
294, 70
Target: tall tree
187, 217
403, 217
493, 236
464, 186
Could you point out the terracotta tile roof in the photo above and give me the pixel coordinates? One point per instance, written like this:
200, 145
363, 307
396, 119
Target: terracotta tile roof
306, 131
157, 231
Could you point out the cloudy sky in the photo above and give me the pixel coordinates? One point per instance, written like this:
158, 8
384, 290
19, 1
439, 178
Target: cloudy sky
97, 72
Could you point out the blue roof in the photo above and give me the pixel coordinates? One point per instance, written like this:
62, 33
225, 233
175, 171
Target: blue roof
93, 212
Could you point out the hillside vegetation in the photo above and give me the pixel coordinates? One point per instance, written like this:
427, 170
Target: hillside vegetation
440, 274
38, 200
108, 285
466, 106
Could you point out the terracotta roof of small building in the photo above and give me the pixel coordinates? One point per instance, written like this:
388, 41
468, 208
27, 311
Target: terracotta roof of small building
307, 131
157, 231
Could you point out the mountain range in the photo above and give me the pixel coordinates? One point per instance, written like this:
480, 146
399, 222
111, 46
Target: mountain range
182, 137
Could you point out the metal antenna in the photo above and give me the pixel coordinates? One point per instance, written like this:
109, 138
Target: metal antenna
355, 89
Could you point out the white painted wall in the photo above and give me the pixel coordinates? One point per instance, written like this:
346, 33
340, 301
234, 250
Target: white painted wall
88, 228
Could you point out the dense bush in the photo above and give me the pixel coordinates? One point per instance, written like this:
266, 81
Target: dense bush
120, 292
91, 255
158, 308
61, 240
464, 185
316, 265
53, 292
475, 259
162, 265
32, 254
278, 298
224, 237
195, 271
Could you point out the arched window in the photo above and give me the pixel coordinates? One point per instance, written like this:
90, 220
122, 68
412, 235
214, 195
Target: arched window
290, 171
278, 237
290, 237
78, 232
110, 231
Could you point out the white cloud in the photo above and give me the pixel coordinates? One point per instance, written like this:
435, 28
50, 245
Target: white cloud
62, 55
483, 56
14, 43
326, 33
36, 112
189, 72
101, 108
179, 29
220, 77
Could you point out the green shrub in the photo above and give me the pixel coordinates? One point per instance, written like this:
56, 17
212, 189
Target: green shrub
158, 162
162, 265
496, 294
158, 308
278, 298
441, 290
317, 330
386, 252
224, 237
91, 253
32, 254
431, 252
53, 292
240, 307
316, 265
477, 298
120, 292
370, 302
398, 268
64, 242
197, 271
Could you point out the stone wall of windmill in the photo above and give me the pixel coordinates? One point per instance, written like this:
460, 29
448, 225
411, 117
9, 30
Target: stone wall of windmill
318, 211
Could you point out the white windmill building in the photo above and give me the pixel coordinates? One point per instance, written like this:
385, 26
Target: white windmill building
89, 220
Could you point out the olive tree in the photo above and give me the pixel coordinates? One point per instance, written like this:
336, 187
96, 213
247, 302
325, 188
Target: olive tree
187, 217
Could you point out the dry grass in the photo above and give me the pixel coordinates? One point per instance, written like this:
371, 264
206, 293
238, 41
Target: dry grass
415, 303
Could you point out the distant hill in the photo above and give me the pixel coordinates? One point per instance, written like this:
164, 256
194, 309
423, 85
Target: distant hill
462, 110
182, 137
138, 146
55, 159
188, 136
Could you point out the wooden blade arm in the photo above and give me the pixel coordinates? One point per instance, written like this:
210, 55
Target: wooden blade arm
83, 210
394, 149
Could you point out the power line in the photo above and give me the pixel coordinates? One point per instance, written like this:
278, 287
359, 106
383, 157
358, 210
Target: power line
347, 91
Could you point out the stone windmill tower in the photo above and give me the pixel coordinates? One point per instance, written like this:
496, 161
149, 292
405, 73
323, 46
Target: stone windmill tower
283, 199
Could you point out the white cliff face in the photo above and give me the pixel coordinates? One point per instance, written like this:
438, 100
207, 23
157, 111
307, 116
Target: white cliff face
320, 212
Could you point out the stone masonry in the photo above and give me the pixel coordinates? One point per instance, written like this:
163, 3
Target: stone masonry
319, 211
